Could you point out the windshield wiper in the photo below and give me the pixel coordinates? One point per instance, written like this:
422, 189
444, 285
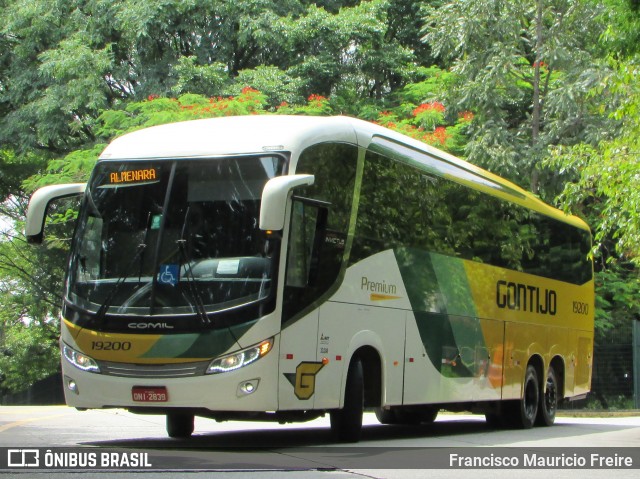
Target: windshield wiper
119, 282
196, 298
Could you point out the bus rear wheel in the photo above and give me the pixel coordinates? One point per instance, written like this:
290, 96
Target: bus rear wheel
180, 425
523, 412
548, 400
346, 423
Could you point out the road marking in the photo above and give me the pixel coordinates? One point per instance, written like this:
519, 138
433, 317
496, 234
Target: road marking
25, 421
15, 411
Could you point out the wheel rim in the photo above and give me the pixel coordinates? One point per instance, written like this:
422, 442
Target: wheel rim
550, 396
531, 399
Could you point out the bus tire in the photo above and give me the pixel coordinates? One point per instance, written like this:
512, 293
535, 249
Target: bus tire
524, 411
494, 421
385, 416
346, 423
429, 414
415, 415
548, 400
180, 425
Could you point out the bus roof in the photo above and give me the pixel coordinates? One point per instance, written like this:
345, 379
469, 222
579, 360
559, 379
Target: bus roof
271, 133
229, 136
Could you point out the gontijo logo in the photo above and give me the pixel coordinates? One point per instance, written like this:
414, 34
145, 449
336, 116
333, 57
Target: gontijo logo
524, 297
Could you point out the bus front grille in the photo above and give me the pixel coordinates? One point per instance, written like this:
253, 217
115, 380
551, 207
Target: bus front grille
175, 370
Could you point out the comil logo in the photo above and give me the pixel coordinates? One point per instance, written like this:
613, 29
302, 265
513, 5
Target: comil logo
23, 458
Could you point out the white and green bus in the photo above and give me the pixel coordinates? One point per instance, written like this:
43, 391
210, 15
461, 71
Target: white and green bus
281, 268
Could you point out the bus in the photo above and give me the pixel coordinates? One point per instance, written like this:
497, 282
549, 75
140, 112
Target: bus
281, 268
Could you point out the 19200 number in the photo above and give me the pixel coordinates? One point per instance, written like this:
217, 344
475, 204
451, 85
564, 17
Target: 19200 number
110, 345
580, 308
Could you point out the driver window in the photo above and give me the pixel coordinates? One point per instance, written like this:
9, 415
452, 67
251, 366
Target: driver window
319, 225
301, 240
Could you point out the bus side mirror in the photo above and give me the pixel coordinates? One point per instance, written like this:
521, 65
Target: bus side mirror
39, 203
274, 199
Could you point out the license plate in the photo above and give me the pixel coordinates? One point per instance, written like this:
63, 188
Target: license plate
149, 394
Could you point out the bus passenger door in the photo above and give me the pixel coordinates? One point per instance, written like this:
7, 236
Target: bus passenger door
298, 364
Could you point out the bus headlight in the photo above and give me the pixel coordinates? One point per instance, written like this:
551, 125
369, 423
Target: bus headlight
240, 359
79, 360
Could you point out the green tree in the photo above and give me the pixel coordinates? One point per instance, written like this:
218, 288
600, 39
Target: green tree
67, 61
607, 175
344, 49
622, 36
526, 69
603, 175
63, 62
30, 301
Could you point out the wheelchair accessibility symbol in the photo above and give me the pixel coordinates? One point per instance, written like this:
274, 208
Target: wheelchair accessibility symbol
168, 274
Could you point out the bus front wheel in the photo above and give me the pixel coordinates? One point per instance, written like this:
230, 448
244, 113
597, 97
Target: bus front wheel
407, 415
346, 423
180, 425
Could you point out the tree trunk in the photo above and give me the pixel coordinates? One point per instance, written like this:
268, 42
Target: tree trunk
537, 102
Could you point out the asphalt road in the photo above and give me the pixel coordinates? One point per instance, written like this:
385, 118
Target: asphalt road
260, 450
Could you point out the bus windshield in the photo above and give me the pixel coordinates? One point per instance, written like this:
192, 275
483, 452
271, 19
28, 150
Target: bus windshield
172, 237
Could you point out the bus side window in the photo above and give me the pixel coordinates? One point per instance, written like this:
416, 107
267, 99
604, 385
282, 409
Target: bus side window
90, 250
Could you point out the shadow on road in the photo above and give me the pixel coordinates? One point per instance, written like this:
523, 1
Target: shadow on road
438, 434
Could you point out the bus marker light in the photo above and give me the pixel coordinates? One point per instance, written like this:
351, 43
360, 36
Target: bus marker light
289, 356
325, 361
265, 347
338, 358
248, 387
72, 385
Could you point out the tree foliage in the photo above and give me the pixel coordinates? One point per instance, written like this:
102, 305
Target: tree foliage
64, 62
527, 70
607, 174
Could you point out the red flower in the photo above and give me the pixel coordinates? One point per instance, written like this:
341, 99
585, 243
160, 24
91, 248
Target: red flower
435, 106
439, 136
247, 90
317, 98
466, 116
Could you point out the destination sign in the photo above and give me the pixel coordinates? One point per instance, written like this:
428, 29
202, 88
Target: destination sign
132, 176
